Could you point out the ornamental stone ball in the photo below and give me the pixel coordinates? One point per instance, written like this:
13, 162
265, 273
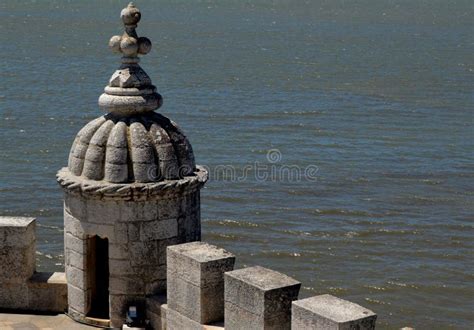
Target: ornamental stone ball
130, 90
130, 15
129, 43
131, 189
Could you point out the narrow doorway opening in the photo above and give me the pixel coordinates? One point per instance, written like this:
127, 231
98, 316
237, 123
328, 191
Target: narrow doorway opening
98, 269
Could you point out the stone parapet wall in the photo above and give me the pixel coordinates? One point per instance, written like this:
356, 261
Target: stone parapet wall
21, 287
204, 292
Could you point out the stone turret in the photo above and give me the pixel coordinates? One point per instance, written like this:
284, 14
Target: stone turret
131, 189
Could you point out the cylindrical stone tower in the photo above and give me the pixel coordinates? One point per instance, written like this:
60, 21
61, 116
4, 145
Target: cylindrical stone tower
131, 189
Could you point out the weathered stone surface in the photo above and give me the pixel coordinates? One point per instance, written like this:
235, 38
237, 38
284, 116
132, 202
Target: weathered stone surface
18, 264
73, 225
47, 292
158, 230
103, 231
137, 191
74, 259
17, 249
133, 232
196, 280
76, 277
75, 244
79, 299
102, 212
118, 267
119, 251
258, 298
126, 285
176, 320
14, 295
144, 253
169, 207
157, 285
329, 312
17, 231
94, 158
75, 205
14, 321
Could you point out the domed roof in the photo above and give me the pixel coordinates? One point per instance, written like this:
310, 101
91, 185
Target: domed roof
141, 148
131, 143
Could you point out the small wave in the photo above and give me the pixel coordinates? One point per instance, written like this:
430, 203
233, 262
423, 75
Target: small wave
387, 232
275, 253
296, 232
342, 212
431, 181
336, 289
216, 236
403, 285
233, 223
378, 302
359, 180
374, 287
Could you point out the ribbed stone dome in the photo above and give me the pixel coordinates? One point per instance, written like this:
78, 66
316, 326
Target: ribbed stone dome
141, 148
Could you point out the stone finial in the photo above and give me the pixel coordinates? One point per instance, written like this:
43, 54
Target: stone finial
129, 44
130, 90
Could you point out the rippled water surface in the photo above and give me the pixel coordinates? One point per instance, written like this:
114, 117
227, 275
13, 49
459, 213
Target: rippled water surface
377, 94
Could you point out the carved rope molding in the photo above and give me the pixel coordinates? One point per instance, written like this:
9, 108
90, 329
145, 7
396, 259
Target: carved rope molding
131, 191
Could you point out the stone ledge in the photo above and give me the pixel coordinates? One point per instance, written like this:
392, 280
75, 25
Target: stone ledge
43, 292
131, 191
329, 312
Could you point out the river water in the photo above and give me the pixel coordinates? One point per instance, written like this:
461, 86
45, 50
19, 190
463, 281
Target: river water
374, 96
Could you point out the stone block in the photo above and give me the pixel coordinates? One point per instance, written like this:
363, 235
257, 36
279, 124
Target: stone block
76, 277
121, 233
17, 248
17, 232
17, 263
169, 208
47, 292
129, 211
144, 253
102, 211
75, 205
259, 298
118, 251
78, 299
158, 230
13, 296
148, 211
73, 226
150, 273
176, 320
118, 267
74, 243
126, 285
72, 258
133, 231
329, 312
196, 280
